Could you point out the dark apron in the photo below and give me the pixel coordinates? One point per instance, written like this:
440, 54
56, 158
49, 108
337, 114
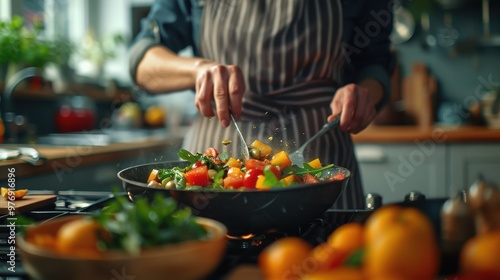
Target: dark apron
289, 53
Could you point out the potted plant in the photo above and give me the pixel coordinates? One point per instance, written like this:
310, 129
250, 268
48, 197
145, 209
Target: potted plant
22, 47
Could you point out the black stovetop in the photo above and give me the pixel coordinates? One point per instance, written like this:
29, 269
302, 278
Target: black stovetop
238, 251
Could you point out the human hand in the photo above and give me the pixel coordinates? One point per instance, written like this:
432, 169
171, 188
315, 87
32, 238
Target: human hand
357, 105
222, 83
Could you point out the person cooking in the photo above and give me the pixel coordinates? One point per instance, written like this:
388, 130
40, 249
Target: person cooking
283, 68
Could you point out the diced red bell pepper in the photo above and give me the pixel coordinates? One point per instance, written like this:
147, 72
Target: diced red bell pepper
198, 176
197, 164
234, 182
338, 177
310, 179
251, 177
276, 170
255, 164
212, 152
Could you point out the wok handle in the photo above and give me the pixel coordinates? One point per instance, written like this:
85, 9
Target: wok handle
373, 201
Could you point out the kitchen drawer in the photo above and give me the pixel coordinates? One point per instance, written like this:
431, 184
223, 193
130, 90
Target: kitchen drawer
468, 161
393, 170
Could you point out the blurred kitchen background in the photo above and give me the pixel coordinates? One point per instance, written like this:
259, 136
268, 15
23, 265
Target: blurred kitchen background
447, 75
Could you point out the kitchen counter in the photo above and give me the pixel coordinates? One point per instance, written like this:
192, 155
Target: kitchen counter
438, 134
61, 157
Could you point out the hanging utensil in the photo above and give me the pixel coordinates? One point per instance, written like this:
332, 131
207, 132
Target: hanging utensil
404, 26
447, 35
428, 40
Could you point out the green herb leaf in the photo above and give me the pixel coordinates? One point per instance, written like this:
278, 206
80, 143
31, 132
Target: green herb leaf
224, 156
186, 155
147, 223
355, 259
300, 171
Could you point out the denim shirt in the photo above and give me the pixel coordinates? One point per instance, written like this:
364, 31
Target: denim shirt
367, 25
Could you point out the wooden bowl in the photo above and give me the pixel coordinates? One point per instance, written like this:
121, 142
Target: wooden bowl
187, 260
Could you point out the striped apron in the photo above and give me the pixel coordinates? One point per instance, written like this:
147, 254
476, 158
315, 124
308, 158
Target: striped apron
289, 53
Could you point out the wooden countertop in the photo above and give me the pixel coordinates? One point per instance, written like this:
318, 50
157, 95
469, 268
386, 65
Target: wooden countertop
65, 158
438, 134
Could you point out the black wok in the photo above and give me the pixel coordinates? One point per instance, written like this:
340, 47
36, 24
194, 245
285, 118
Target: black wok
245, 212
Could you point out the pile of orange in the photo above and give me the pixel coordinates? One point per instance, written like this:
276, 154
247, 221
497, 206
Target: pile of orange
480, 257
394, 243
77, 238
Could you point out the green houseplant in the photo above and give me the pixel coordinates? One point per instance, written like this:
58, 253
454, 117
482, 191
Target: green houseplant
23, 47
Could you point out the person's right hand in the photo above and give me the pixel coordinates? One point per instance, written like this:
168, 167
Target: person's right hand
222, 83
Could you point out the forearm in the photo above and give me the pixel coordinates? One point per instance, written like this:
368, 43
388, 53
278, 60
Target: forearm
161, 70
375, 89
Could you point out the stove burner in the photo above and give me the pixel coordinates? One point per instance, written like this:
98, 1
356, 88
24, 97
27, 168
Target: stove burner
245, 241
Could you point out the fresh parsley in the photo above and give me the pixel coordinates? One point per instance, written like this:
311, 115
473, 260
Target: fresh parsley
147, 224
301, 171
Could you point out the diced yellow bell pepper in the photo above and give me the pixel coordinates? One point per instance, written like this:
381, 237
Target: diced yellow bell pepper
290, 179
260, 183
265, 150
315, 163
233, 162
281, 159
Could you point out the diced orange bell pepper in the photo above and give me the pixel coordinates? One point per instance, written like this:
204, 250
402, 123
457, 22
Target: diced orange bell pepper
153, 176
315, 163
233, 162
290, 179
281, 159
265, 150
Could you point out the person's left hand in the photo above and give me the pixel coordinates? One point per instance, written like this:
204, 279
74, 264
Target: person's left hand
357, 105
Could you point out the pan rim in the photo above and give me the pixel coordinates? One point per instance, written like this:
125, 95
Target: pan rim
284, 189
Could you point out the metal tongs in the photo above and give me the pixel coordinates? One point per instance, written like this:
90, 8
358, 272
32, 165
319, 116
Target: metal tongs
297, 157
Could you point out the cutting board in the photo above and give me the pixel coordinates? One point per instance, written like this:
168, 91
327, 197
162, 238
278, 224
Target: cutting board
419, 90
27, 203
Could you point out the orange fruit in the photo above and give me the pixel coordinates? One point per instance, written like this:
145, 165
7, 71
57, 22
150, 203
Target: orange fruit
18, 194
80, 238
481, 253
340, 244
155, 116
46, 241
326, 257
344, 273
285, 258
348, 237
400, 242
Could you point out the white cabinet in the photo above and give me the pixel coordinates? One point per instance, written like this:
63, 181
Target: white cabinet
434, 169
394, 170
467, 161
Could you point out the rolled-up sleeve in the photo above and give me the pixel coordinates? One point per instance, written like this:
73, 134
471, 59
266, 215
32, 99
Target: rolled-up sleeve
167, 24
366, 43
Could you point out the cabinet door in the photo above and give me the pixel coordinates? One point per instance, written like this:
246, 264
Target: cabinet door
468, 161
394, 170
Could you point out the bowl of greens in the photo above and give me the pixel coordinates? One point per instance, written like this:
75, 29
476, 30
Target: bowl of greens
148, 239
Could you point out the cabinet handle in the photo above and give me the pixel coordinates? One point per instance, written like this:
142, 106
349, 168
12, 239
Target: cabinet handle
370, 154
